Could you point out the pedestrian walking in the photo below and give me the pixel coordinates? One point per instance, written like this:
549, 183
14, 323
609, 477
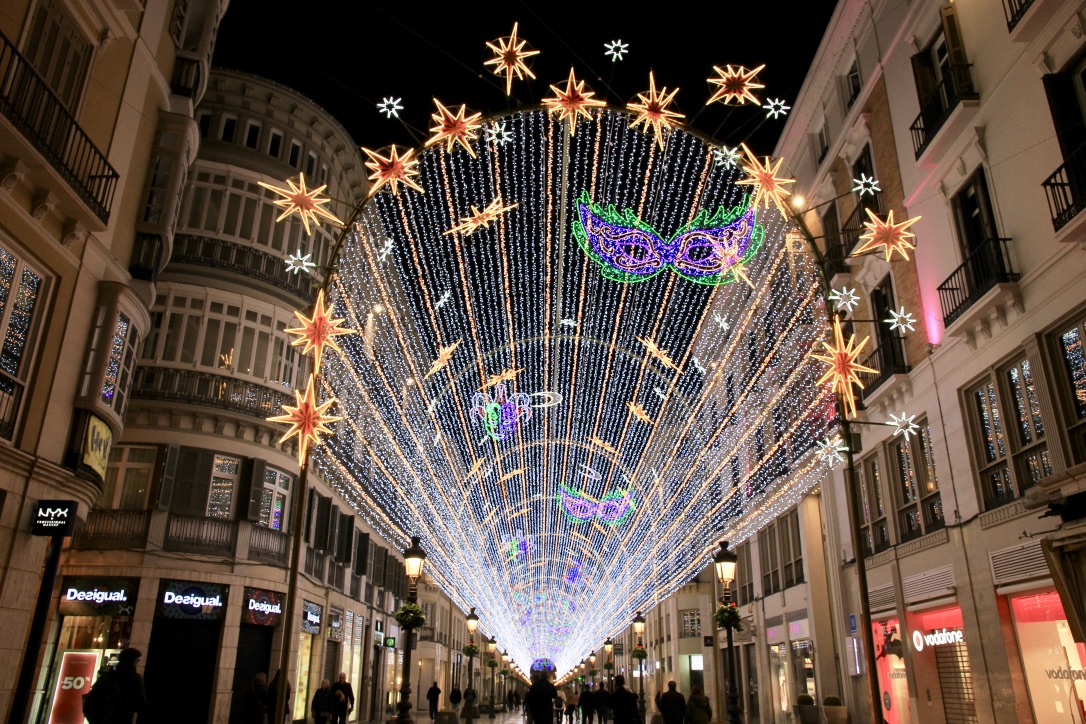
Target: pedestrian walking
672, 705
539, 700
455, 697
273, 700
433, 695
603, 704
509, 701
588, 705
571, 705
254, 705
118, 695
699, 710
323, 704
516, 701
623, 703
344, 699
559, 707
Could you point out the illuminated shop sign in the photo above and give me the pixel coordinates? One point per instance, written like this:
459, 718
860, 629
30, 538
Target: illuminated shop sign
262, 608
94, 596
54, 517
192, 601
311, 617
945, 637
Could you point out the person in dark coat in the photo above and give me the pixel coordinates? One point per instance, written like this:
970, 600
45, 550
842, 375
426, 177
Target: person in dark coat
273, 694
698, 709
323, 703
254, 705
345, 705
433, 695
539, 701
603, 703
516, 701
624, 703
121, 691
588, 705
455, 697
672, 705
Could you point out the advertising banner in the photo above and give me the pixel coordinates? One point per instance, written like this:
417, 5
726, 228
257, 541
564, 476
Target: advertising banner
96, 443
192, 601
96, 596
54, 517
74, 680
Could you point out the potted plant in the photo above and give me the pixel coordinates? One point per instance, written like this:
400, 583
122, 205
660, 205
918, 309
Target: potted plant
639, 653
806, 711
410, 616
471, 651
727, 616
834, 711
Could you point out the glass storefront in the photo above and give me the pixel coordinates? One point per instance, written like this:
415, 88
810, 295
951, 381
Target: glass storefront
1055, 665
890, 662
939, 646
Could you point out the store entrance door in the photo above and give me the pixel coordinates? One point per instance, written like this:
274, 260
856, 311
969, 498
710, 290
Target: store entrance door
254, 656
180, 672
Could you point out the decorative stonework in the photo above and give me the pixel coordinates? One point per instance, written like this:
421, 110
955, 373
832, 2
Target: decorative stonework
12, 172
43, 204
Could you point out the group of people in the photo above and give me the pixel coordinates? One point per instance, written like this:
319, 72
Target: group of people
544, 702
676, 709
589, 703
331, 704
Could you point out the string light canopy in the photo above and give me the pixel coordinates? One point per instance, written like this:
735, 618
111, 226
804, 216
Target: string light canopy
575, 400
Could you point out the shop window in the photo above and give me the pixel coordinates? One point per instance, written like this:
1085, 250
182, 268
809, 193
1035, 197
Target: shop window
1074, 386
1010, 460
275, 144
275, 499
1054, 663
228, 129
853, 83
225, 472
875, 533
691, 623
803, 667
791, 548
128, 477
58, 51
252, 134
770, 564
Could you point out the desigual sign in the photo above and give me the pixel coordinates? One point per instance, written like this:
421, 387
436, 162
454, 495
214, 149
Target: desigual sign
311, 617
93, 596
937, 638
263, 608
192, 601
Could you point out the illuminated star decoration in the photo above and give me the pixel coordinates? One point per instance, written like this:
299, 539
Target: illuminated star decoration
640, 413
307, 203
768, 187
479, 219
572, 102
390, 107
735, 84
616, 49
888, 235
727, 157
453, 128
298, 263
318, 331
498, 135
866, 185
443, 356
392, 170
384, 251
307, 419
903, 426
653, 112
844, 369
659, 354
901, 320
844, 298
505, 376
830, 449
597, 441
509, 55
776, 108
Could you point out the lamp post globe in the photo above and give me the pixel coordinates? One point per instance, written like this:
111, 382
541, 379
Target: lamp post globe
413, 556
724, 561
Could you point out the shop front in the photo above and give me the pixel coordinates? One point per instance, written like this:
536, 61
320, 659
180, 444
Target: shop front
940, 660
890, 664
1054, 663
791, 665
96, 623
184, 650
312, 618
260, 615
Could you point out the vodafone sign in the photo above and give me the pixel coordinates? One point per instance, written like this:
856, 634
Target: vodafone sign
944, 637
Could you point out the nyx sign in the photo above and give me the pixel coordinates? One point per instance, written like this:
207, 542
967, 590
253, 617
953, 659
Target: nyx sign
54, 518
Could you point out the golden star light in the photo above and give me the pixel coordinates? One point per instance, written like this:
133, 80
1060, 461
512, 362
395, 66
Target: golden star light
844, 369
597, 441
768, 187
639, 412
319, 331
889, 236
573, 101
453, 128
443, 356
479, 219
509, 55
506, 376
659, 354
392, 170
652, 110
307, 419
306, 203
735, 84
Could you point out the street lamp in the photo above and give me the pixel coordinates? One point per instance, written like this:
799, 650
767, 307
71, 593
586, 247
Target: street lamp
491, 648
592, 667
505, 677
413, 559
724, 562
639, 629
608, 648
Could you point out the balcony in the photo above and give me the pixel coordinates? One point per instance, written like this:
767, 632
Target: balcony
269, 546
889, 359
956, 87
36, 112
11, 399
209, 536
983, 270
246, 261
1014, 10
853, 229
209, 390
109, 529
1066, 189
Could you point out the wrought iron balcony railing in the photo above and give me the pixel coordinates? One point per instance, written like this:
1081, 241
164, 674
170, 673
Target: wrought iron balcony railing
210, 536
269, 545
109, 529
889, 359
853, 228
247, 261
1014, 10
955, 87
31, 106
987, 266
201, 388
1066, 189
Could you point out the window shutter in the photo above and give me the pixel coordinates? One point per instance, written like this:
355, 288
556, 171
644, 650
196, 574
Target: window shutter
346, 539
309, 512
1066, 112
361, 553
924, 77
251, 488
167, 470
390, 574
320, 529
955, 46
192, 482
379, 567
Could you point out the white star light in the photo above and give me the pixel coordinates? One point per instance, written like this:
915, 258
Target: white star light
616, 49
866, 185
844, 298
903, 426
830, 449
390, 106
498, 135
727, 157
722, 322
901, 321
775, 107
383, 252
298, 263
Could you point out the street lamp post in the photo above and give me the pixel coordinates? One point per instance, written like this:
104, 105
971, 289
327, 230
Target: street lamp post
413, 558
491, 648
639, 629
505, 676
592, 668
473, 625
608, 648
724, 563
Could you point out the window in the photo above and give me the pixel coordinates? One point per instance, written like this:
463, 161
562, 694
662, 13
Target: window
744, 575
158, 184
941, 71
1009, 460
128, 478
58, 51
224, 480
791, 548
275, 499
311, 165
228, 128
177, 24
275, 144
691, 627
853, 83
891, 356
875, 534
122, 356
823, 138
16, 312
1074, 361
831, 232
767, 553
920, 506
865, 166
204, 122
252, 134
973, 216
295, 154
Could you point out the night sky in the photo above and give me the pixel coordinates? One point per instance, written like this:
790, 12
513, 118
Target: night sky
347, 56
